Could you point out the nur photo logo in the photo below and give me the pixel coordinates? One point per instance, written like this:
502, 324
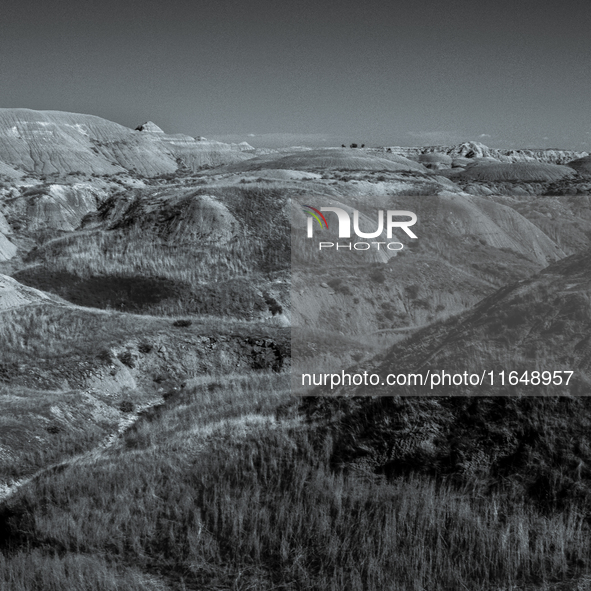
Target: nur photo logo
388, 221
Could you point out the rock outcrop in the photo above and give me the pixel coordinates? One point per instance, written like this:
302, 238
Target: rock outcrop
179, 217
15, 295
478, 150
7, 248
149, 127
8, 171
61, 207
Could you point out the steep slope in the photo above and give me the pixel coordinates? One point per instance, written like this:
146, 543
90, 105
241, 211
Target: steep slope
581, 165
7, 248
565, 219
196, 153
515, 172
495, 224
538, 324
15, 295
9, 172
50, 142
61, 207
179, 216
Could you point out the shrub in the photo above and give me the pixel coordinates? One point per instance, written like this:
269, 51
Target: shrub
377, 275
126, 406
337, 285
105, 356
144, 348
126, 358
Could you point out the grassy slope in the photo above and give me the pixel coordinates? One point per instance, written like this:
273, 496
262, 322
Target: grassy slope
139, 264
65, 372
541, 323
226, 488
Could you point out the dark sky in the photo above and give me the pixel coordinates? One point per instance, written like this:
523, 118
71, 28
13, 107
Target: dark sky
506, 73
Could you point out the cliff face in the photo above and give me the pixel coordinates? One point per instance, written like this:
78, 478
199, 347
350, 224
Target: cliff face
49, 142
8, 171
61, 207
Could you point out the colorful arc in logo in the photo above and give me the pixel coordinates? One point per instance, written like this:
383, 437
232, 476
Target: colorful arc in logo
315, 213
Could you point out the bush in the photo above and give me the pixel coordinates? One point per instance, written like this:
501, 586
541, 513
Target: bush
105, 356
144, 348
377, 275
412, 291
337, 285
126, 406
126, 358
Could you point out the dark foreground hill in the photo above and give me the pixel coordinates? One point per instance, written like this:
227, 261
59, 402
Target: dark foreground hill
529, 439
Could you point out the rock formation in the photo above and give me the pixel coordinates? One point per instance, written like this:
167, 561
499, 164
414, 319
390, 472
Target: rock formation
479, 150
52, 142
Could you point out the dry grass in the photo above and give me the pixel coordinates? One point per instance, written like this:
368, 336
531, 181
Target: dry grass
36, 571
49, 332
130, 252
259, 244
225, 488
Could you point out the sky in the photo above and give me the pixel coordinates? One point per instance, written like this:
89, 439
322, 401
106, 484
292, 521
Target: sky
511, 74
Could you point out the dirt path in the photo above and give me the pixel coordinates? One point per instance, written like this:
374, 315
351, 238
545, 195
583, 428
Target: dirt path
91, 455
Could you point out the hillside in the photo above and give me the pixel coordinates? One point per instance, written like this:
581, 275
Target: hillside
538, 324
52, 142
328, 159
582, 165
158, 292
470, 150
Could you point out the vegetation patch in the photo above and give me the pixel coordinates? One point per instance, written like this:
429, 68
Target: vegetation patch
133, 294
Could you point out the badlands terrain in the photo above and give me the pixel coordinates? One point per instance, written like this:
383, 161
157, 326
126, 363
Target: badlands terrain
157, 292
